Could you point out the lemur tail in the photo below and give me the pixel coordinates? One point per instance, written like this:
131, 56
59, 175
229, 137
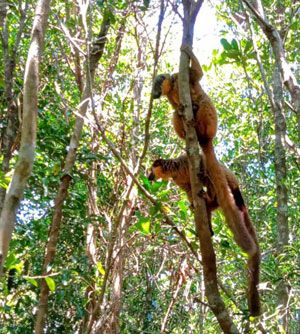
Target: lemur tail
237, 218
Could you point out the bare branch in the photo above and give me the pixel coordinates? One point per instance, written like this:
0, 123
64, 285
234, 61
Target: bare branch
259, 17
70, 38
276, 42
175, 9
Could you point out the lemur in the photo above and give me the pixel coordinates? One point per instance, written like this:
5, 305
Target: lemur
178, 170
205, 117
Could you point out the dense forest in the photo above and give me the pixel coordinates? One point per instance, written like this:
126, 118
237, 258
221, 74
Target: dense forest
89, 243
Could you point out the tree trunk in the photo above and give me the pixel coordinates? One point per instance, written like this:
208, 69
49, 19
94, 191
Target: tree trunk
277, 102
28, 134
92, 185
119, 257
281, 189
91, 239
179, 283
201, 221
9, 134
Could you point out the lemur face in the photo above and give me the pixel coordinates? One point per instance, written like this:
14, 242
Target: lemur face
151, 175
161, 85
155, 171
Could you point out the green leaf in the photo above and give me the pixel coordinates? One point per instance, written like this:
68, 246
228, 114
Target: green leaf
51, 283
226, 44
225, 244
154, 209
234, 44
182, 210
11, 261
156, 185
31, 281
100, 268
143, 225
157, 228
182, 206
248, 46
19, 266
191, 231
146, 183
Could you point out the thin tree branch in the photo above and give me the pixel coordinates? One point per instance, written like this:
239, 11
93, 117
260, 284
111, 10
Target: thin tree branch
156, 58
288, 78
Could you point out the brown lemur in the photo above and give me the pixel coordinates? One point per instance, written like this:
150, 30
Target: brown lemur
178, 171
205, 117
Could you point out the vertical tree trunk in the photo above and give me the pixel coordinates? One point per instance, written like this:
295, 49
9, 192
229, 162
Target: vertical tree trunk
99, 326
99, 323
177, 287
28, 135
93, 302
120, 247
202, 306
282, 75
91, 238
215, 301
281, 189
10, 130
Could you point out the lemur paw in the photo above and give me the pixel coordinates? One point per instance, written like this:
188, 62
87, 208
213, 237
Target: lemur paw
202, 193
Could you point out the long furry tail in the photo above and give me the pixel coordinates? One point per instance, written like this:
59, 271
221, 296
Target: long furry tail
253, 268
234, 217
237, 218
254, 260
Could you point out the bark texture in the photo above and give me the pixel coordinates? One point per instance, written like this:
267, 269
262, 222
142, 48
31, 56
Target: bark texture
93, 302
28, 134
9, 133
281, 189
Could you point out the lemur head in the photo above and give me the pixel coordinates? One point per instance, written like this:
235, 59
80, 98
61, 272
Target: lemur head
156, 171
162, 85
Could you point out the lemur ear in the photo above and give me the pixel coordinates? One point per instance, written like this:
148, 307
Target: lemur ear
162, 77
